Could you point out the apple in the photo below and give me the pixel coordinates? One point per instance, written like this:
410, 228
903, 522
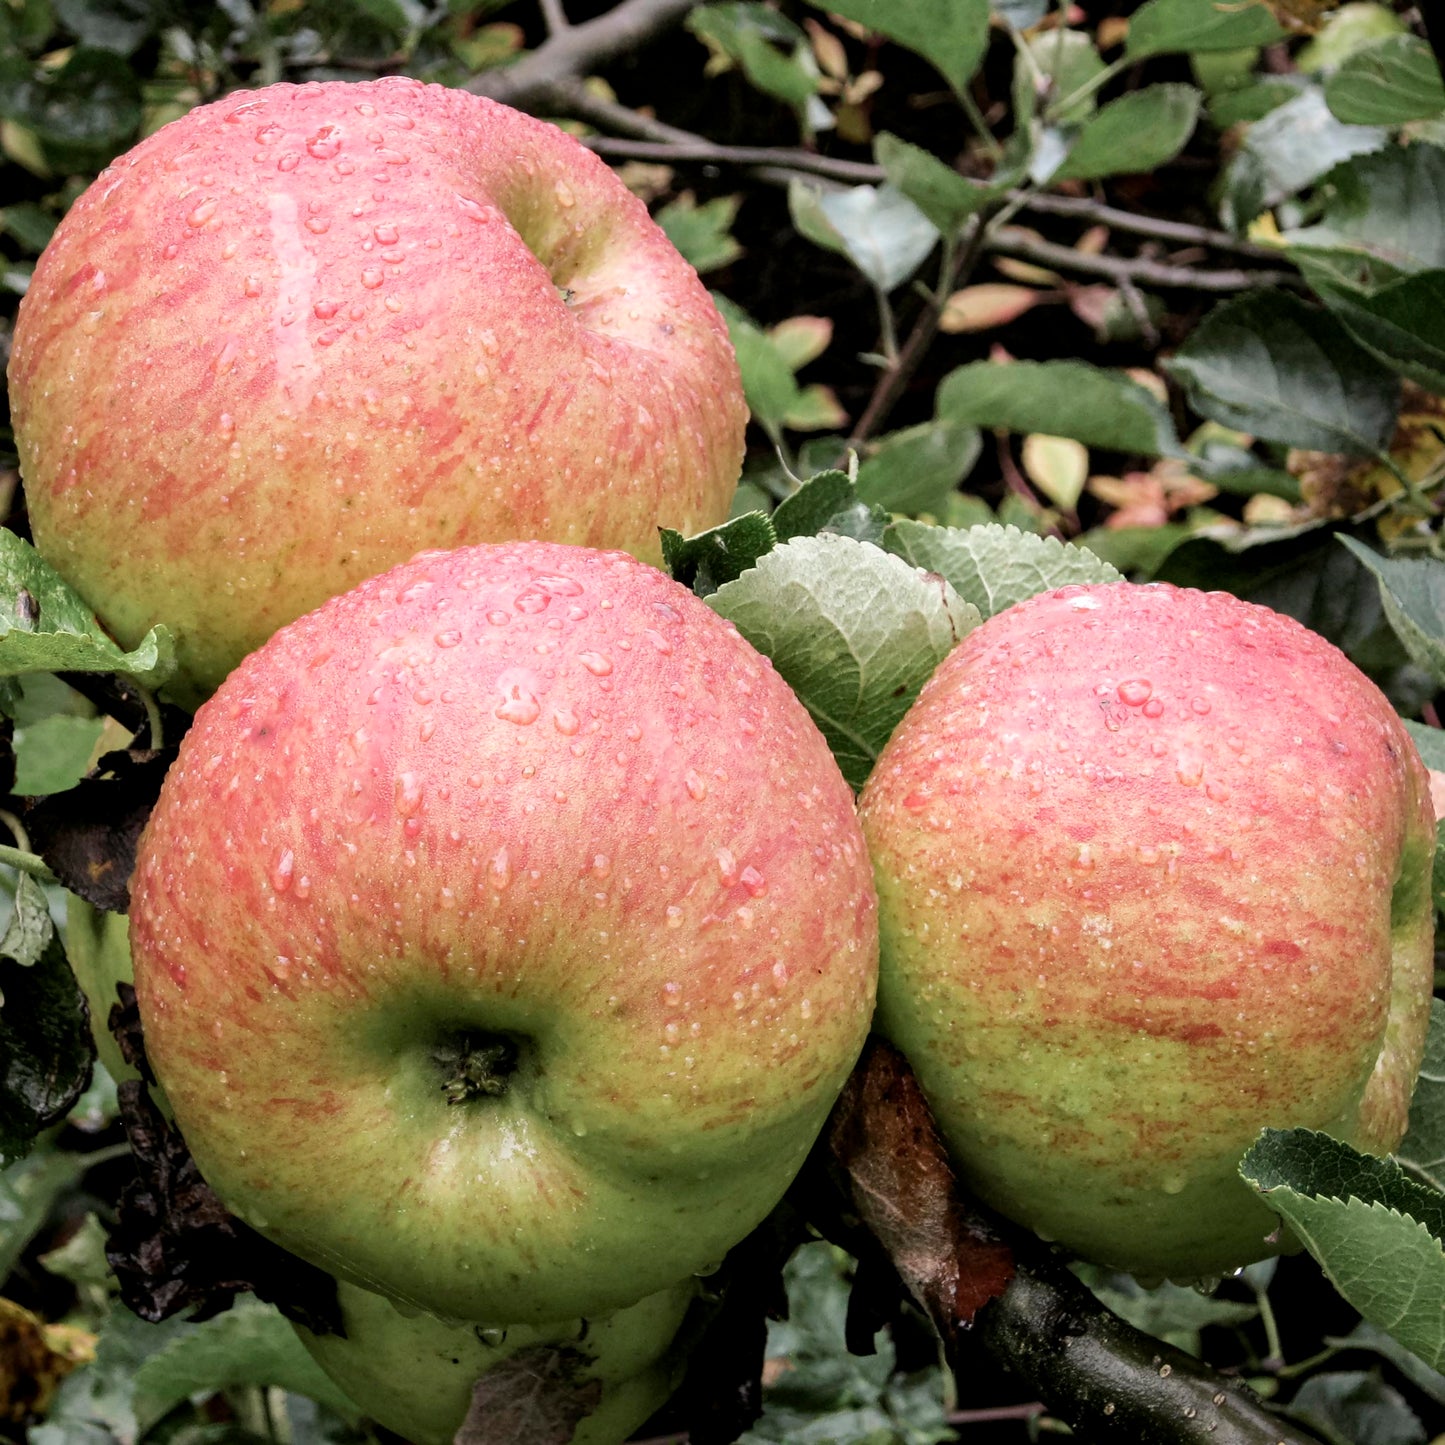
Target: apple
300, 333
503, 934
1154, 873
414, 1373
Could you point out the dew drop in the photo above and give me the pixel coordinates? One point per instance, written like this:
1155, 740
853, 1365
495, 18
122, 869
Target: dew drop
696, 785
282, 871
597, 663
408, 795
202, 213
288, 162
371, 277
497, 617
325, 310
449, 638
566, 722
325, 143
1154, 708
753, 881
499, 870
1135, 691
519, 705
385, 235
727, 867
532, 599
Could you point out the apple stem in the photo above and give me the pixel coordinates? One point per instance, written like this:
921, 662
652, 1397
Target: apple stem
480, 1068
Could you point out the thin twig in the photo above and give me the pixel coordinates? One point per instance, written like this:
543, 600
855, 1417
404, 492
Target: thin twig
554, 16
572, 97
1140, 270
1098, 214
996, 1413
698, 149
958, 264
577, 50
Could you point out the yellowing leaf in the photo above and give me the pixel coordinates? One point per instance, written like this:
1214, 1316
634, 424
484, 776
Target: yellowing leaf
816, 409
981, 308
1057, 466
801, 339
1025, 272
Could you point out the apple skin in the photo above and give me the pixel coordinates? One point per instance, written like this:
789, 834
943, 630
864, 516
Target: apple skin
303, 332
529, 792
1153, 870
413, 1372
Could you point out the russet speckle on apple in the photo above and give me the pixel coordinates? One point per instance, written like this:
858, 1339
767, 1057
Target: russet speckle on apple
504, 933
301, 333
1154, 874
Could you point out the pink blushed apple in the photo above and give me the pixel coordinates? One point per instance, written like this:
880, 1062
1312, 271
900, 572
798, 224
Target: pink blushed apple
303, 332
1154, 874
504, 933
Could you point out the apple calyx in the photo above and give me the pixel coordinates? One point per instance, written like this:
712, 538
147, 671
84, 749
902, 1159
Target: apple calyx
476, 1065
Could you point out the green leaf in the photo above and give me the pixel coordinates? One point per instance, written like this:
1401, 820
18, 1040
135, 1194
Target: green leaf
1381, 217
945, 197
118, 25
83, 114
877, 227
1366, 1336
768, 381
828, 502
1068, 62
913, 470
1164, 27
46, 1050
702, 233
250, 1344
31, 225
28, 1192
1375, 1230
1060, 398
1387, 83
1401, 324
1423, 1146
1299, 141
51, 755
710, 559
994, 567
854, 632
1137, 132
1346, 30
1412, 591
952, 34
1349, 1405
748, 34
1430, 742
1271, 365
30, 929
54, 631
1171, 1312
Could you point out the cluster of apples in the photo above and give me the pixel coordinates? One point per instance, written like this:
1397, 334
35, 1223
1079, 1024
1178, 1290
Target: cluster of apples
505, 930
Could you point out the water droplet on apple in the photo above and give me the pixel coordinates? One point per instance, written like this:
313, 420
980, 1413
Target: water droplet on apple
519, 704
1189, 769
1135, 691
282, 871
201, 213
532, 599
727, 867
449, 638
288, 162
1154, 708
408, 795
597, 663
325, 143
371, 277
325, 310
695, 784
385, 235
566, 722
499, 870
753, 881
267, 133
